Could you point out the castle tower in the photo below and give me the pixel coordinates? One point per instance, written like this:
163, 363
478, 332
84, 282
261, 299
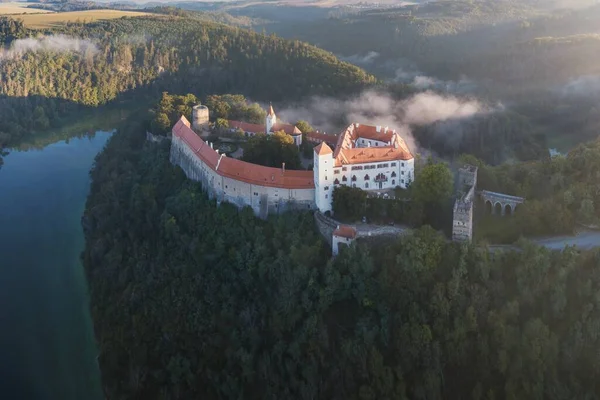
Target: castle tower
271, 119
323, 175
200, 116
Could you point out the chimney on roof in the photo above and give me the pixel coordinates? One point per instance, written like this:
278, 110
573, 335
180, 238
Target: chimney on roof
272, 177
385, 129
282, 168
378, 128
357, 124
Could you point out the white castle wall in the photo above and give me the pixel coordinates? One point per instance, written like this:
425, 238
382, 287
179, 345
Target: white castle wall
397, 172
263, 200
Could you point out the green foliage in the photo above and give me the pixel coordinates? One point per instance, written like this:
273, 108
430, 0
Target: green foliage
191, 300
221, 123
348, 203
235, 107
10, 30
272, 151
433, 183
560, 193
170, 109
304, 126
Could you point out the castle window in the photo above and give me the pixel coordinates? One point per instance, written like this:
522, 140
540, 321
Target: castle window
376, 144
353, 178
367, 177
393, 164
326, 196
344, 169
402, 181
354, 185
393, 174
357, 167
344, 179
336, 171
326, 188
336, 182
402, 164
393, 181
366, 185
402, 172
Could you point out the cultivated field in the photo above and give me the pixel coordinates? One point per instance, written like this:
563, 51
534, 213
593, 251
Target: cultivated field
40, 21
19, 8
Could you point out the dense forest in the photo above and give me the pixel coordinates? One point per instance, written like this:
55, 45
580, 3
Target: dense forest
257, 309
142, 57
539, 61
561, 193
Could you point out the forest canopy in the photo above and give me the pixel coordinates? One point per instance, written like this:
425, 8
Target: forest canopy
259, 309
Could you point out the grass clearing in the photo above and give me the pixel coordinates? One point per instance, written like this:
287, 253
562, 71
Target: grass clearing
20, 8
41, 21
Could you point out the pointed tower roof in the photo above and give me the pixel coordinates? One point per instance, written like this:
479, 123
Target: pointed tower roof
322, 149
271, 111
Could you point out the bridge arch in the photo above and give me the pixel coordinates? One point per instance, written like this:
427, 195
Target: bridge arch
500, 203
498, 208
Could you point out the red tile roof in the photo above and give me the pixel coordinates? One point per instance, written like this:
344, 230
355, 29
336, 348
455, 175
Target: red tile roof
287, 128
345, 231
361, 155
321, 137
246, 127
241, 170
370, 133
322, 149
347, 153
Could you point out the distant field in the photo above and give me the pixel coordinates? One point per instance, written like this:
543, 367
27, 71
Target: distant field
38, 21
19, 8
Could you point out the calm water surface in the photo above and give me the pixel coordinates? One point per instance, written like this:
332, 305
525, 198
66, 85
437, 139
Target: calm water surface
47, 348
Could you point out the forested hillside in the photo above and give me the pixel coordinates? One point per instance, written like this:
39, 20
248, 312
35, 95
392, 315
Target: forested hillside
141, 57
542, 63
194, 301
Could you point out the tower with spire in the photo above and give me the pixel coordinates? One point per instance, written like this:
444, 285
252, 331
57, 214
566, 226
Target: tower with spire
271, 119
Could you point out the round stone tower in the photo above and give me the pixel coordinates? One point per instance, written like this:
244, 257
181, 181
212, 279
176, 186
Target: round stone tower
200, 117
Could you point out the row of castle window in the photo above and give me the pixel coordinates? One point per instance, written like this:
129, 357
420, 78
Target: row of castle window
359, 167
366, 184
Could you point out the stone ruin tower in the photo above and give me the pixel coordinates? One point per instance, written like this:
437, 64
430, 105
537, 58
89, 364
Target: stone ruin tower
200, 116
462, 225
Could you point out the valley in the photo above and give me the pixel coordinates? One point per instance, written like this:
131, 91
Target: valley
168, 269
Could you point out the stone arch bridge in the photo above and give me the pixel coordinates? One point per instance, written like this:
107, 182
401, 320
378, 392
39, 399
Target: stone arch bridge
500, 203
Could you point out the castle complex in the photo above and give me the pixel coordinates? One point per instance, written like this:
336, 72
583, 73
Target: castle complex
365, 157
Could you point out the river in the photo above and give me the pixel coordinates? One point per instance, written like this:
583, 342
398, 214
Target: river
47, 348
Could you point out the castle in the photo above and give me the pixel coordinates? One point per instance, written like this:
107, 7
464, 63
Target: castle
365, 157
